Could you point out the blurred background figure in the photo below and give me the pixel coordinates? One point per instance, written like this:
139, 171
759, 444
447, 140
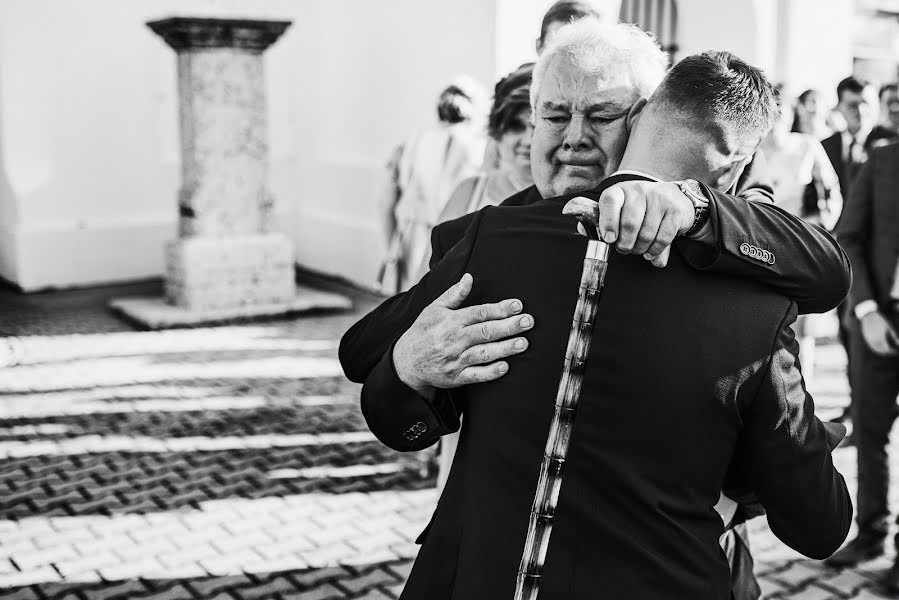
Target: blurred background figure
423, 172
797, 162
887, 129
808, 117
509, 127
806, 185
562, 13
845, 148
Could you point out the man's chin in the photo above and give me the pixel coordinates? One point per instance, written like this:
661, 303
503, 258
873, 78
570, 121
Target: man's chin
573, 183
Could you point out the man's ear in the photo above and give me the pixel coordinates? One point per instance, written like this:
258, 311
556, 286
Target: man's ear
634, 113
538, 46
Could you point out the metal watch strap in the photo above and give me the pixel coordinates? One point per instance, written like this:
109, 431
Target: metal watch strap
692, 190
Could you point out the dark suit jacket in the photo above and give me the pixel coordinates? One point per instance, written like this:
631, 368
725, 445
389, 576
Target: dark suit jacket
687, 371
869, 227
846, 173
810, 267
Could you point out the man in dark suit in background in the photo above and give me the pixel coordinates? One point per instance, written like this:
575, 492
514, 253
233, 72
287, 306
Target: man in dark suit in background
845, 148
869, 231
674, 386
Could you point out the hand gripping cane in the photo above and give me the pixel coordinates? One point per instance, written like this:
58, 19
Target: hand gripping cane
552, 468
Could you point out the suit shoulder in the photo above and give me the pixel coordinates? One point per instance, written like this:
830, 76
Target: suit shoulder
526, 196
450, 232
888, 154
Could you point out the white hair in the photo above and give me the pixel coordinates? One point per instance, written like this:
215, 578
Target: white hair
597, 47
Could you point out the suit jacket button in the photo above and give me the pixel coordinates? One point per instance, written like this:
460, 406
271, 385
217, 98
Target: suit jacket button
745, 249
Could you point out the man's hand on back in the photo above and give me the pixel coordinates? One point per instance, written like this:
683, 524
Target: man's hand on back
639, 217
448, 346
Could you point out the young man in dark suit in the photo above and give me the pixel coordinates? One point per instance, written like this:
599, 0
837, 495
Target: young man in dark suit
846, 149
668, 397
869, 230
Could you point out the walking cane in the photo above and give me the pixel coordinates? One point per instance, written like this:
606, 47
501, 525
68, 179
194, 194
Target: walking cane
552, 468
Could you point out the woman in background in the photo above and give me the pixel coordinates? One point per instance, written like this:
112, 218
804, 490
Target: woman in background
509, 126
423, 172
806, 185
807, 116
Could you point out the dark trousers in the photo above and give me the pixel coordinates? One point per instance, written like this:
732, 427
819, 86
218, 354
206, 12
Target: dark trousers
744, 585
875, 384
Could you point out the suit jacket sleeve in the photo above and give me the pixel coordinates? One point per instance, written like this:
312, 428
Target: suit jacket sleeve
783, 453
808, 265
854, 231
363, 345
397, 415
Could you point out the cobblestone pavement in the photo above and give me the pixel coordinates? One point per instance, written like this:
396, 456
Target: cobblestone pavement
232, 463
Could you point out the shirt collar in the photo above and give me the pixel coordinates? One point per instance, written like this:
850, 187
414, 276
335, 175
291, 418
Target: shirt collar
635, 172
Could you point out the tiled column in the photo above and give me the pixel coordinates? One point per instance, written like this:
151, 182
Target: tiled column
226, 262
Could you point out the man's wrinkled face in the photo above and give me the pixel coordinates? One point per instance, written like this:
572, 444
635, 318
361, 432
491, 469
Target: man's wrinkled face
580, 127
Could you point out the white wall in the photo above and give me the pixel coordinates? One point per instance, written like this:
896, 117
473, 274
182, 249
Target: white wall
89, 150
815, 45
806, 43
89, 160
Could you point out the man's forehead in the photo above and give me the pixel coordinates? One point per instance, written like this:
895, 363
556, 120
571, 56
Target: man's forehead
564, 82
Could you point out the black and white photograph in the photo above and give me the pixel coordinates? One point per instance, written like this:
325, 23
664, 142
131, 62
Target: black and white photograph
449, 299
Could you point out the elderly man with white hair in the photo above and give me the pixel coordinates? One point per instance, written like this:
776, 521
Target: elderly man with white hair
673, 378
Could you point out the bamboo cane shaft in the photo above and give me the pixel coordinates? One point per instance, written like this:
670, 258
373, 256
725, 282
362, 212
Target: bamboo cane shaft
549, 482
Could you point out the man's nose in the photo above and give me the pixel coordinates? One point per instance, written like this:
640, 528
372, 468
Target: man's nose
576, 135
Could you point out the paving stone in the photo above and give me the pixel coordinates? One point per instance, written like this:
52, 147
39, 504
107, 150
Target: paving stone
267, 588
800, 573
211, 586
846, 582
323, 592
42, 574
175, 592
315, 577
870, 594
62, 591
375, 577
402, 568
813, 592
115, 591
770, 588
21, 593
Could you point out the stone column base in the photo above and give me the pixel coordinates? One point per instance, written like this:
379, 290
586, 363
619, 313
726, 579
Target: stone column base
156, 313
205, 274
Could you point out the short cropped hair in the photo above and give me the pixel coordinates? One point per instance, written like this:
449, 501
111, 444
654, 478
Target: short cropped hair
599, 48
565, 12
720, 89
887, 87
510, 96
850, 84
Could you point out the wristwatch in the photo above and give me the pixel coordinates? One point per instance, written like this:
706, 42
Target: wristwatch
692, 190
